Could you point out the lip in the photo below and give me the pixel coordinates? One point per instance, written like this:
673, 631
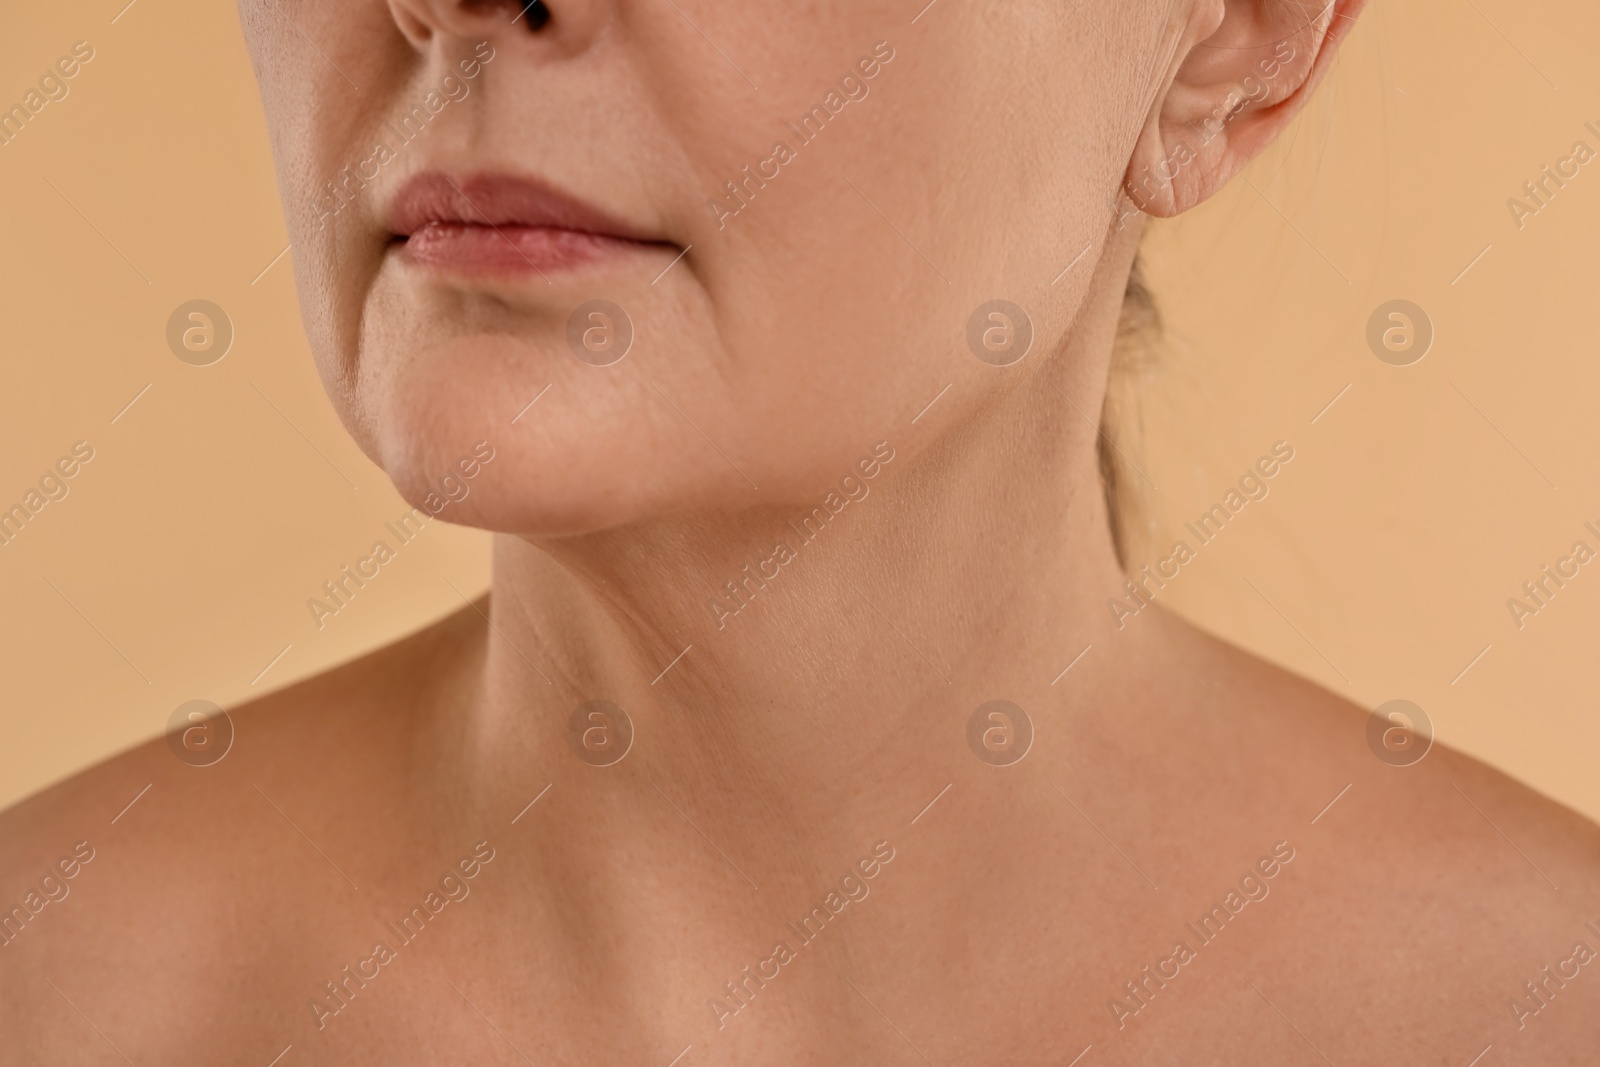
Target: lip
500, 224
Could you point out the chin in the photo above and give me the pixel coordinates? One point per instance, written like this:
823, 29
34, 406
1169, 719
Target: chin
453, 428
540, 494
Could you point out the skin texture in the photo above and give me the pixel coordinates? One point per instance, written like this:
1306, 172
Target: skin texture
830, 712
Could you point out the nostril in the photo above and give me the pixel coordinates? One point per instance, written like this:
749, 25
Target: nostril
537, 15
535, 12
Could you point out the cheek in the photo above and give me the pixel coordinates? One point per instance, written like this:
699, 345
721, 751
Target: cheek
317, 125
858, 268
331, 312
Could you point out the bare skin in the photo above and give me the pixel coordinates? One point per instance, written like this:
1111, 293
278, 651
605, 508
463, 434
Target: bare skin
206, 923
810, 750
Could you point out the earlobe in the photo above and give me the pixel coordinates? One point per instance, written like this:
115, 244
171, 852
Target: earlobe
1234, 90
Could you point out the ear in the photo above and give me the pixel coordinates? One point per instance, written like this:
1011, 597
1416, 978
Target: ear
1241, 72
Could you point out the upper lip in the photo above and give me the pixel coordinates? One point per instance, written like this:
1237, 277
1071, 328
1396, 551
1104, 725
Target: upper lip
498, 200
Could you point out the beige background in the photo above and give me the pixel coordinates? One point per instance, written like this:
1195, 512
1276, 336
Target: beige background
179, 565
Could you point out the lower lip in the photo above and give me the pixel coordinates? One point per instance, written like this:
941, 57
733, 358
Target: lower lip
501, 250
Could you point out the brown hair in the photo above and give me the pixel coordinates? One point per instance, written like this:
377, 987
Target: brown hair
1138, 328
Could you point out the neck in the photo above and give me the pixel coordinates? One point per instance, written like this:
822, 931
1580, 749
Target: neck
779, 654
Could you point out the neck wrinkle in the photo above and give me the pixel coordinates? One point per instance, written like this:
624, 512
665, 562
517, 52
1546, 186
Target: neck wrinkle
976, 567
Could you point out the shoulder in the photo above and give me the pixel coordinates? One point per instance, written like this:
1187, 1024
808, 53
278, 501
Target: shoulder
291, 724
1380, 777
154, 863
1429, 891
